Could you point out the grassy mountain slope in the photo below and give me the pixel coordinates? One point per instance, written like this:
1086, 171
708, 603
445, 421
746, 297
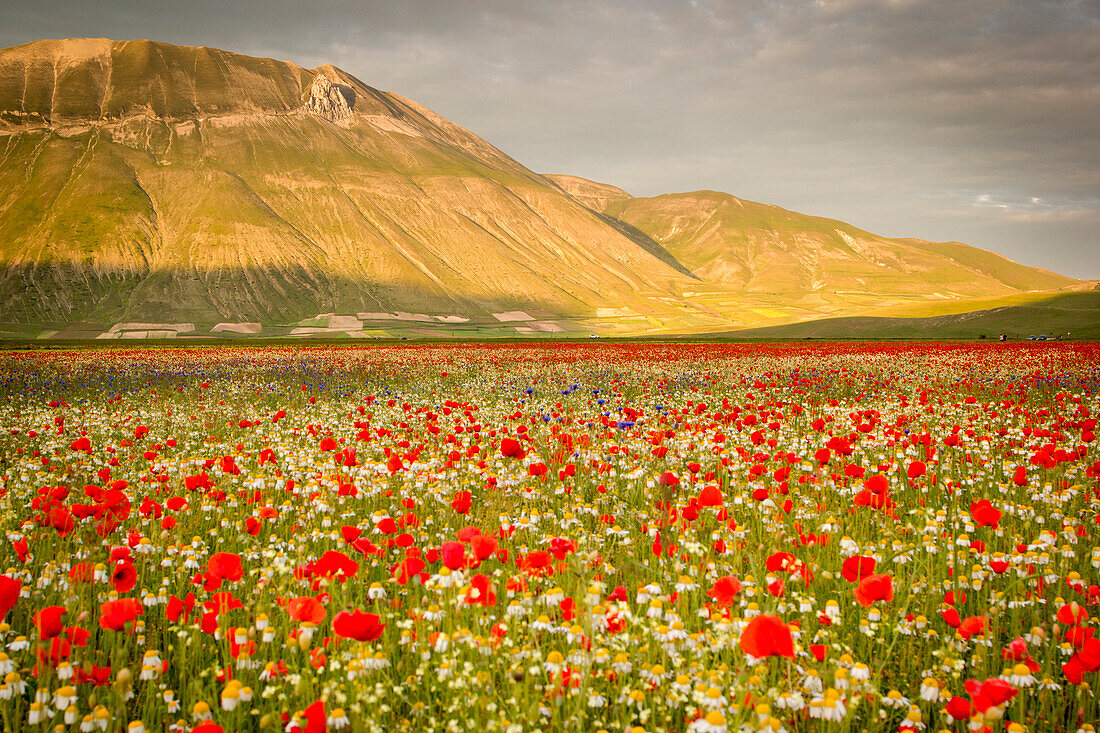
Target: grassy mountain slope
146, 181
765, 249
596, 196
1075, 314
1010, 273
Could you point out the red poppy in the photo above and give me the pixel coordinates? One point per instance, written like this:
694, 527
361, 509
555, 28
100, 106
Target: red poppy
876, 501
985, 514
481, 591
877, 484
462, 502
114, 503
1072, 614
316, 720
972, 626
191, 483
224, 566
1078, 635
857, 567
177, 608
467, 533
48, 621
98, 676
57, 650
114, 615
1089, 654
959, 708
512, 448
483, 547
306, 609
357, 625
22, 549
767, 636
124, 576
208, 727
560, 547
710, 496
176, 503
454, 555
218, 604
409, 568
874, 588
780, 561
62, 520
991, 693
535, 560
77, 636
9, 594
82, 572
229, 465
336, 564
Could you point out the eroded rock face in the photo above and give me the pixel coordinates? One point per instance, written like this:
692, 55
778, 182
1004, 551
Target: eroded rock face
327, 100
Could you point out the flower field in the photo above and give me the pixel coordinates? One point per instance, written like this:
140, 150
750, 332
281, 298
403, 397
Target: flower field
558, 538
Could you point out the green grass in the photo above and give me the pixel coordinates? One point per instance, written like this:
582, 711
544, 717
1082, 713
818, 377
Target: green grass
1076, 314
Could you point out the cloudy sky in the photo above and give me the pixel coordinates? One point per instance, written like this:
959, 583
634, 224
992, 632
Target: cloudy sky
970, 120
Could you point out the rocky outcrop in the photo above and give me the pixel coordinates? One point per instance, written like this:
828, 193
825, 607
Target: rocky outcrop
328, 100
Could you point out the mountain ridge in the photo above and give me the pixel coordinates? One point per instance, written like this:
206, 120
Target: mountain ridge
716, 235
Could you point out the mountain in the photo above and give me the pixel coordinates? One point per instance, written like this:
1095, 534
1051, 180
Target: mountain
152, 190
764, 249
141, 181
596, 196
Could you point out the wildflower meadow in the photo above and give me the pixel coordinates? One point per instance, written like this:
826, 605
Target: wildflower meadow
570, 537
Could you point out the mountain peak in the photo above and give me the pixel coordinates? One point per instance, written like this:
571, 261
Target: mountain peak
593, 194
87, 79
331, 101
